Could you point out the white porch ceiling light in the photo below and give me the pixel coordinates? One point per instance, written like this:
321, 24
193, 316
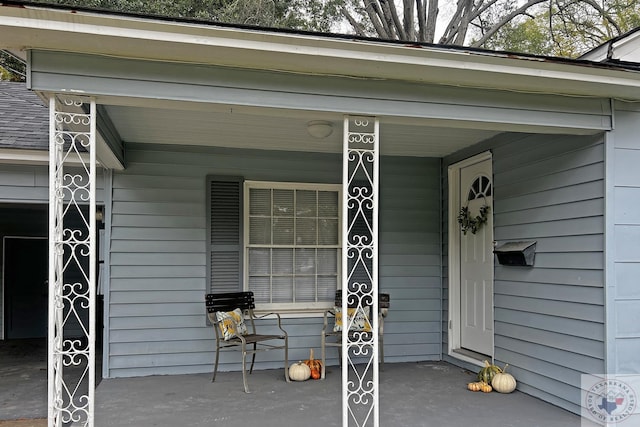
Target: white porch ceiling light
319, 128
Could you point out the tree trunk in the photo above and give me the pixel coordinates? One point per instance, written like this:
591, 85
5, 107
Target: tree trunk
409, 26
465, 16
432, 16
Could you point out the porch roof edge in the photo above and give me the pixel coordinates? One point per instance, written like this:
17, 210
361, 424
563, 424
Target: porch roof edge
21, 156
38, 27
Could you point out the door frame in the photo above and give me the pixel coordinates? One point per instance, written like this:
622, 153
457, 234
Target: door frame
454, 257
3, 286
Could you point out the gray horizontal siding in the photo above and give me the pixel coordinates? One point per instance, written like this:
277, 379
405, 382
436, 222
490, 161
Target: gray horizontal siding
158, 263
22, 183
555, 188
30, 184
409, 267
549, 319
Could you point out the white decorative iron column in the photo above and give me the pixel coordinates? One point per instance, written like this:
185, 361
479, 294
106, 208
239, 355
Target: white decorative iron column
360, 396
72, 272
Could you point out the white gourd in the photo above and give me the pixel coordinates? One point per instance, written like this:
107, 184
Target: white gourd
503, 383
299, 372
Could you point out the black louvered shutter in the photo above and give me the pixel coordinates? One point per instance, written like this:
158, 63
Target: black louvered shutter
224, 246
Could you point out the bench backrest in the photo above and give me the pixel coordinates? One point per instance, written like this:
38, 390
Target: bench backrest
383, 300
229, 301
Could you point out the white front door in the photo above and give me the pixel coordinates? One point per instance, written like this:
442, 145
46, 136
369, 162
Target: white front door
476, 260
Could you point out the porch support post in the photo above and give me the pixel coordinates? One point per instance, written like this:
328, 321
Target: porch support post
360, 397
72, 272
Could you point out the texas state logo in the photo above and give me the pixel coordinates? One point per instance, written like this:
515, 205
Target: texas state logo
610, 401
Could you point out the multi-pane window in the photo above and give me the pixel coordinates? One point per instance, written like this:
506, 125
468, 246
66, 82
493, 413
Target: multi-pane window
292, 241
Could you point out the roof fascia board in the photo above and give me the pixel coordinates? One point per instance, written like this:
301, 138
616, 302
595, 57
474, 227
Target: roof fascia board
25, 28
152, 83
19, 156
70, 69
110, 144
105, 156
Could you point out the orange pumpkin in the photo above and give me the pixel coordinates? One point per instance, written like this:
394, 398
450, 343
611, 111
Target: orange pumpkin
474, 386
314, 365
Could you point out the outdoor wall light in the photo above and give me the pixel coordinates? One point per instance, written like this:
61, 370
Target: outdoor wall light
319, 128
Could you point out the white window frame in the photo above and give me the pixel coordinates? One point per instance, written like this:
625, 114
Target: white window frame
293, 308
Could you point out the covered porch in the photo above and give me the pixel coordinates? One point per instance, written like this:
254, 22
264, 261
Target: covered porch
176, 106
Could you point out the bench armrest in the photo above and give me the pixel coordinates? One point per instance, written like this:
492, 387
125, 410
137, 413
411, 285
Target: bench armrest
327, 313
265, 315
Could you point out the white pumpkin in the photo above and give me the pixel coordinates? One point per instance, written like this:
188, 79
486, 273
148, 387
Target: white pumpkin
503, 383
299, 372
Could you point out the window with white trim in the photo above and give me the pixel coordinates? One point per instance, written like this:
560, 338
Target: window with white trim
292, 244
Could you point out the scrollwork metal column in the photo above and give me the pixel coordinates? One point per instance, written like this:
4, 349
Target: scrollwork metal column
360, 397
72, 272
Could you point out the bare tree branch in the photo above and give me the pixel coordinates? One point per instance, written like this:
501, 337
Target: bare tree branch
602, 12
453, 25
391, 20
481, 8
505, 19
373, 11
464, 23
385, 19
359, 29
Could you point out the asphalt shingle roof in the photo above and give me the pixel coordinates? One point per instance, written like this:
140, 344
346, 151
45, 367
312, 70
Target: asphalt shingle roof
24, 119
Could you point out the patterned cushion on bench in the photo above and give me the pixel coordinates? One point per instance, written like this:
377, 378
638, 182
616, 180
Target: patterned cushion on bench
226, 323
360, 321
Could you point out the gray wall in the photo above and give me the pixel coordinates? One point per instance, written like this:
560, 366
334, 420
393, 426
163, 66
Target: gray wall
623, 267
157, 318
549, 319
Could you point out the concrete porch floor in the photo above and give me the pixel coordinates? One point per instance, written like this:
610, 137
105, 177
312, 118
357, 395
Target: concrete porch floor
411, 394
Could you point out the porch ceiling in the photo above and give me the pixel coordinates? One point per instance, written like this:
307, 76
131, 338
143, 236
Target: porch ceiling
280, 130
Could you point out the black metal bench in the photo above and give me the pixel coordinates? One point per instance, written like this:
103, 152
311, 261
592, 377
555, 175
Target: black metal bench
249, 343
